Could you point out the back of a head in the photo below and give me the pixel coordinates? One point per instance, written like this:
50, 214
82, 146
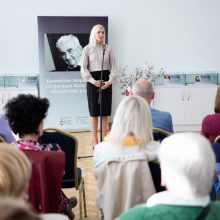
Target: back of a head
94, 31
16, 209
25, 113
143, 88
187, 163
132, 117
217, 101
15, 171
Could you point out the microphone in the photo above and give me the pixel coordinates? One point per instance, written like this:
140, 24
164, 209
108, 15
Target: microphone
103, 48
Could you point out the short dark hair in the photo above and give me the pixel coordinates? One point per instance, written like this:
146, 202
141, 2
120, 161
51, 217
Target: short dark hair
25, 112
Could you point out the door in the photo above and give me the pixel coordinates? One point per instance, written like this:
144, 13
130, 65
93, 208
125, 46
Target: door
199, 103
171, 99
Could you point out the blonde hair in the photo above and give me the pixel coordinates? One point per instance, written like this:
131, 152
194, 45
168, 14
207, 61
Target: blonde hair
132, 117
15, 171
217, 101
16, 209
94, 31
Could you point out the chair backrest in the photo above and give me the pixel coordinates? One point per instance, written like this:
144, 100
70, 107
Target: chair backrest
2, 139
217, 139
69, 145
160, 134
124, 182
45, 183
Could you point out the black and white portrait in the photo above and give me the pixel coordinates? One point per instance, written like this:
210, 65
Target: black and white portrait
63, 51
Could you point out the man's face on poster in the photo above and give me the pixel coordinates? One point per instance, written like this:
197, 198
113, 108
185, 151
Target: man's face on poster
70, 50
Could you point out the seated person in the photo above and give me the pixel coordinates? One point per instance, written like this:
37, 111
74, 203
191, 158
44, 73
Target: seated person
25, 114
15, 172
16, 209
161, 119
128, 134
5, 130
187, 166
210, 124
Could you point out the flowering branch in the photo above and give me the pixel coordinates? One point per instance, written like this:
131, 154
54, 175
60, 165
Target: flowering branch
126, 79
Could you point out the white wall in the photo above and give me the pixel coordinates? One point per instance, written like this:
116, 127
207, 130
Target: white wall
175, 34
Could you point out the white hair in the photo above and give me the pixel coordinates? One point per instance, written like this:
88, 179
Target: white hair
64, 39
187, 163
94, 31
132, 117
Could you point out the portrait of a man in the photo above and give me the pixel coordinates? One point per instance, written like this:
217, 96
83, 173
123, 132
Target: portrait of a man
63, 51
197, 78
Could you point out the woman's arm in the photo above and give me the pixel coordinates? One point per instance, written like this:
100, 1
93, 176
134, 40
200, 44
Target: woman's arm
84, 62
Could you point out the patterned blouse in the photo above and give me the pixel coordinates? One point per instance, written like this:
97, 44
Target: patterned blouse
34, 145
91, 61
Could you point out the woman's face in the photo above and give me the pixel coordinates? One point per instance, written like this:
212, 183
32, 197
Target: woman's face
100, 36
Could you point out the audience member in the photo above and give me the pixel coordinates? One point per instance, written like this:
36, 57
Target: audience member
128, 134
161, 119
15, 172
187, 166
16, 209
210, 124
25, 114
5, 130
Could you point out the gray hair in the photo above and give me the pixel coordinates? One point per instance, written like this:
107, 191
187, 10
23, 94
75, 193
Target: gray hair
94, 31
132, 117
142, 87
62, 40
187, 163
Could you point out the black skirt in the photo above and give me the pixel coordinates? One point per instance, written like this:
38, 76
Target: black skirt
93, 96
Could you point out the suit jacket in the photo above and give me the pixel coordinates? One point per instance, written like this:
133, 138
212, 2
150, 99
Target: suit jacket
162, 120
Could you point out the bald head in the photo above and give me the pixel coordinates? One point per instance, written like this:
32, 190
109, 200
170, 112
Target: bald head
143, 88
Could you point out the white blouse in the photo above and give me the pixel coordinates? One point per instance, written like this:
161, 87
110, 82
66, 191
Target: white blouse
91, 60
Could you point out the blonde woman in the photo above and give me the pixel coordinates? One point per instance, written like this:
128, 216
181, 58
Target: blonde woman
15, 172
91, 66
131, 132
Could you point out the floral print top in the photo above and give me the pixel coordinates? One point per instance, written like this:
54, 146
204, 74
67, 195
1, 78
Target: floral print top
35, 145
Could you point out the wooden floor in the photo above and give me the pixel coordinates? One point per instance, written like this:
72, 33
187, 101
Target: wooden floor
85, 148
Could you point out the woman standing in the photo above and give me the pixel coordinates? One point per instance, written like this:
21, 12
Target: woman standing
91, 65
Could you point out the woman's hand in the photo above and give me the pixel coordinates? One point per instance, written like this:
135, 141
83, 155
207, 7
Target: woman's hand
105, 85
97, 83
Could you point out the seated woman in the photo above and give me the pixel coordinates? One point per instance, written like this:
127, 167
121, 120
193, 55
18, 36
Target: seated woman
25, 114
131, 132
210, 124
16, 209
187, 166
15, 172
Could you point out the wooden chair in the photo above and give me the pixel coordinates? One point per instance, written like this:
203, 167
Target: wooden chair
160, 134
45, 183
2, 139
217, 139
73, 175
